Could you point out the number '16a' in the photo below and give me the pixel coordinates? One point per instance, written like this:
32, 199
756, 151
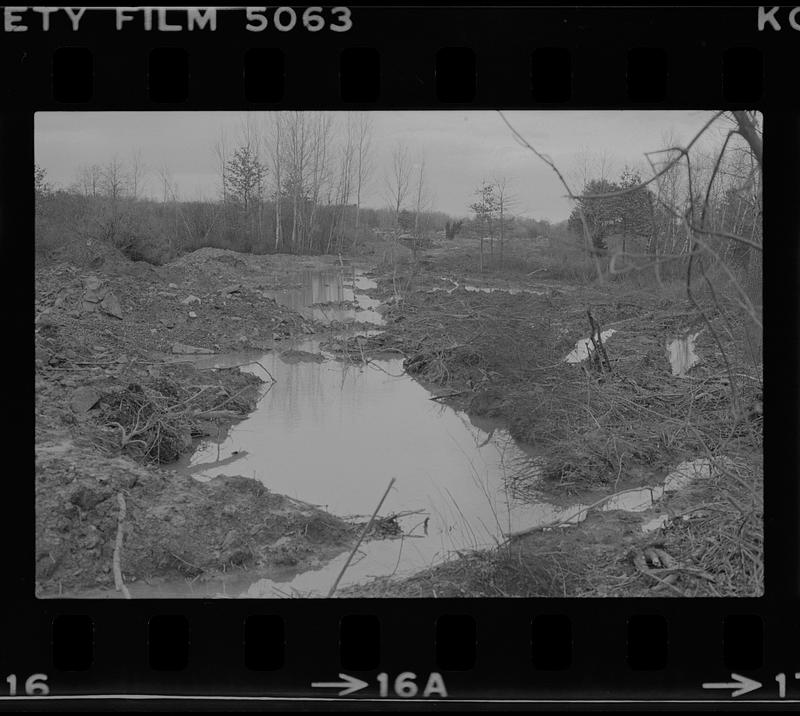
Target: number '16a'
405, 685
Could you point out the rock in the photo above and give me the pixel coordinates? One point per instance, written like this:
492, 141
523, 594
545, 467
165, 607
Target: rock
192, 314
189, 300
94, 292
182, 349
167, 322
92, 283
235, 288
110, 305
172, 285
86, 498
45, 319
84, 399
230, 538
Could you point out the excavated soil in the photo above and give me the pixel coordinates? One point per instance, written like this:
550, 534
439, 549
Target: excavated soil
118, 400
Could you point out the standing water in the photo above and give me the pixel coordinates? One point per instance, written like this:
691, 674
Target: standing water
333, 434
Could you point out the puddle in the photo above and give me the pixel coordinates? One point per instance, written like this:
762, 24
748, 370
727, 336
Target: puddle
333, 434
682, 355
686, 473
583, 347
324, 295
487, 289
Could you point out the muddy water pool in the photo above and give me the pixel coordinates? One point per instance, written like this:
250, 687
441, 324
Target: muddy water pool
333, 434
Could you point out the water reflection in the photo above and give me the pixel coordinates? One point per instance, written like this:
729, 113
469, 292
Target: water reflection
331, 295
333, 434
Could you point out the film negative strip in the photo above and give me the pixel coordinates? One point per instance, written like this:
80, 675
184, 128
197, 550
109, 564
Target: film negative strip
402, 355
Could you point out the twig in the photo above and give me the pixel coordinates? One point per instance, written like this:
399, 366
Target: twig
118, 583
360, 539
448, 395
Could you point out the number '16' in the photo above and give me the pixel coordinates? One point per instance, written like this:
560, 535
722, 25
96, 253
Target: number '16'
35, 685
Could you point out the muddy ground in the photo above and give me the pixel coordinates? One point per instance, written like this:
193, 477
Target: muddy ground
117, 402
600, 427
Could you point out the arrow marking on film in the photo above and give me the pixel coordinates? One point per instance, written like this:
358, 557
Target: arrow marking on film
350, 683
742, 684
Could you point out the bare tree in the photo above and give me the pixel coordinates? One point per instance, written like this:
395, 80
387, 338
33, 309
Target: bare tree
363, 156
504, 200
319, 170
114, 180
422, 200
397, 182
298, 152
137, 172
274, 147
90, 178
221, 153
344, 184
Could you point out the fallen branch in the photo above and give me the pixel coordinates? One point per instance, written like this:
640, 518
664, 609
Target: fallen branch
118, 583
360, 539
448, 395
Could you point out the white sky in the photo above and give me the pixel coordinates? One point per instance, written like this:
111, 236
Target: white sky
461, 148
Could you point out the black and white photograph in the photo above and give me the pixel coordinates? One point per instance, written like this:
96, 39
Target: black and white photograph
436, 354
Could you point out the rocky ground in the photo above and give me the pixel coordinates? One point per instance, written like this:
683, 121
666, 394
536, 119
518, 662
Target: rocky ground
118, 401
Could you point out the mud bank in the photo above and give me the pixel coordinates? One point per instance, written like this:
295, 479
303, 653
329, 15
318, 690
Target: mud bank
174, 527
119, 398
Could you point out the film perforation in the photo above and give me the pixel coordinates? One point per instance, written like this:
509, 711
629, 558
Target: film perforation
264, 75
456, 75
742, 75
360, 74
264, 642
73, 74
360, 642
647, 74
743, 641
168, 75
168, 642
456, 642
551, 642
73, 642
551, 74
648, 641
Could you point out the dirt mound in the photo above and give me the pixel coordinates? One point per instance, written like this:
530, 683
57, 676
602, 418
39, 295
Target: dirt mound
174, 526
208, 253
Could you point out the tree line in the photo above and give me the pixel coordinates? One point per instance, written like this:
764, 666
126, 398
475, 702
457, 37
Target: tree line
289, 182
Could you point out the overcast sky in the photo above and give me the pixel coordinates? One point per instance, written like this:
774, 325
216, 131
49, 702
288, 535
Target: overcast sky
461, 148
